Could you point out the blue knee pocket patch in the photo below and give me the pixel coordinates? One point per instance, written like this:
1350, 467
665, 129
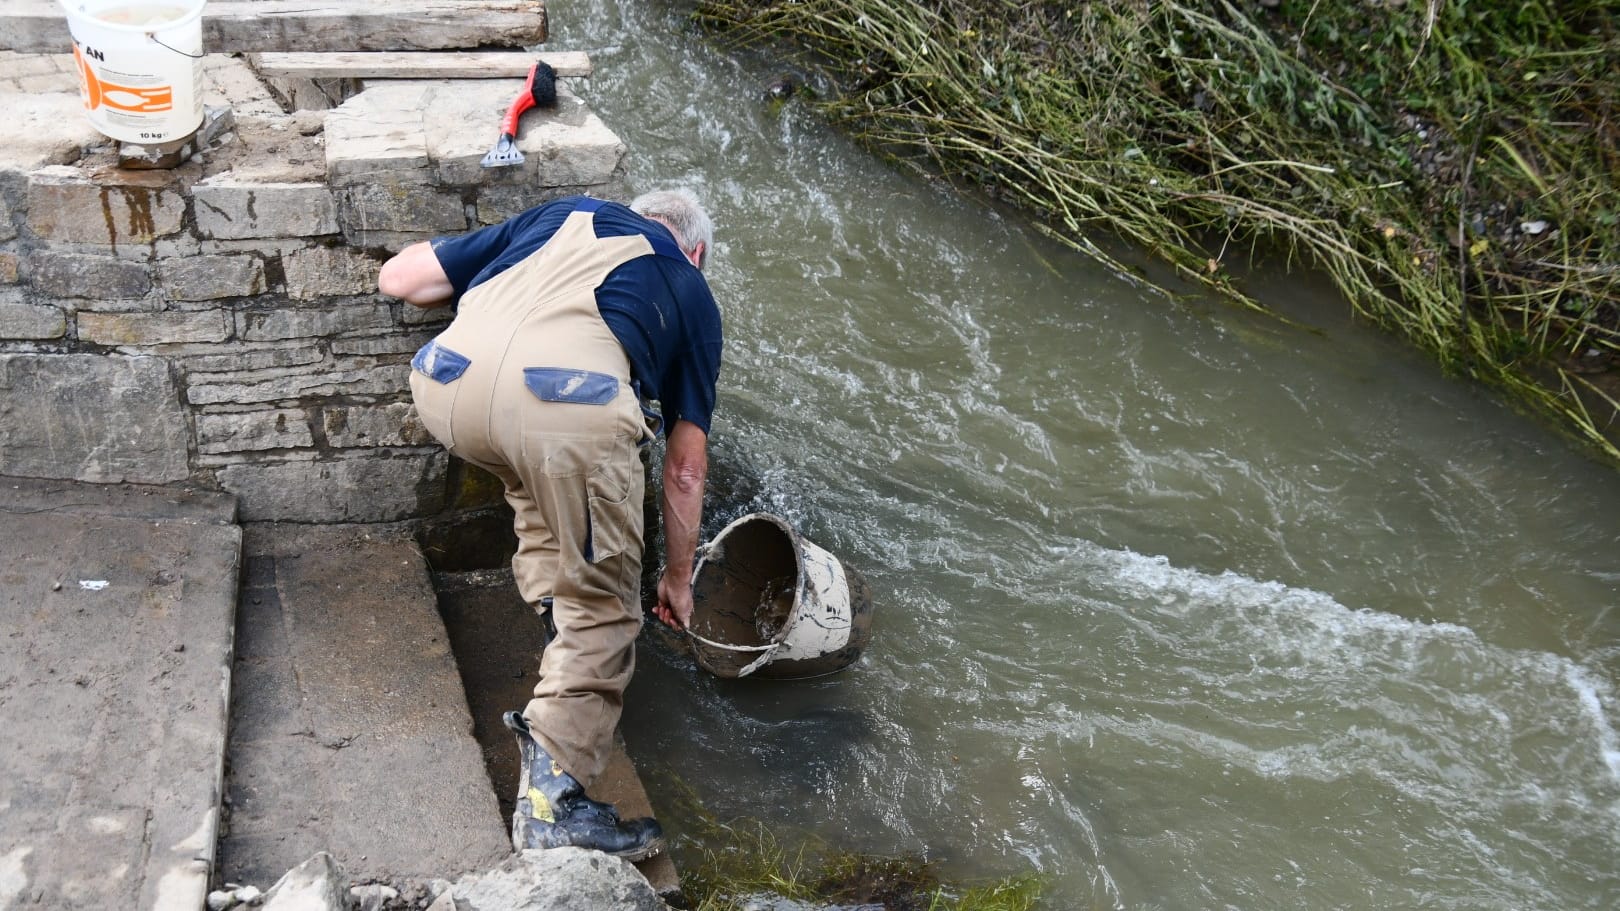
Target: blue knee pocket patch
440, 363
579, 387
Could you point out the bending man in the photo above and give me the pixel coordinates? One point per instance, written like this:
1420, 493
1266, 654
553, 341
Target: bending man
571, 317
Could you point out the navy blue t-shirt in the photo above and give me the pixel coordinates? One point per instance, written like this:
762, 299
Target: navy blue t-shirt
658, 306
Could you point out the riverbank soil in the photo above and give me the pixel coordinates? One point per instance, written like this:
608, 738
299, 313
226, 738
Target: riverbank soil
1452, 167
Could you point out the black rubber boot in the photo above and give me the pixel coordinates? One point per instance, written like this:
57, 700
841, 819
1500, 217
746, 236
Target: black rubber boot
553, 812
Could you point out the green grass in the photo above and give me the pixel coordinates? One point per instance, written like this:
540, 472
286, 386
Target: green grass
745, 859
1399, 147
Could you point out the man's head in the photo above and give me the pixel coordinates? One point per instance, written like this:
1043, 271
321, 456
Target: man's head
679, 211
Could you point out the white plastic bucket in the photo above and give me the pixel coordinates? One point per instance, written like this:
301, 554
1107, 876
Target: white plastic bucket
768, 601
140, 66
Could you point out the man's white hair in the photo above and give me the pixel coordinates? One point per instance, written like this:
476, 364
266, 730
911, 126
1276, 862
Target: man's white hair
683, 213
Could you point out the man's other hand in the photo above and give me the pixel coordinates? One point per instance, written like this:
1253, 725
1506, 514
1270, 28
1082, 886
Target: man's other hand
674, 602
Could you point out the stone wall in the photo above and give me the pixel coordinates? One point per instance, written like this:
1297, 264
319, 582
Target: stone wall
218, 323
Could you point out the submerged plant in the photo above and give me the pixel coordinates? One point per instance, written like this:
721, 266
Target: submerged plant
745, 864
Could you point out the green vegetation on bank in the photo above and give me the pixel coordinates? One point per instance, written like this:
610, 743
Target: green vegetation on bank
1451, 164
746, 865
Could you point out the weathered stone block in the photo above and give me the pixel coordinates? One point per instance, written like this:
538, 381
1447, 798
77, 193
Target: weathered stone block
361, 487
312, 322
253, 431
234, 210
567, 146
45, 130
498, 203
205, 278
282, 148
8, 268
149, 304
179, 246
412, 315
377, 136
66, 205
329, 272
35, 64
46, 83
22, 320
388, 240
154, 328
383, 207
229, 82
266, 248
372, 346
8, 230
91, 418
88, 276
374, 425
387, 380
205, 359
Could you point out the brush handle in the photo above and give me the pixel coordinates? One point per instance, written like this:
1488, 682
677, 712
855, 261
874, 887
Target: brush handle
524, 101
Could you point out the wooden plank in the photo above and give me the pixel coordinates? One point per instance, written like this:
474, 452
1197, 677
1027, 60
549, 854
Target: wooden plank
418, 64
229, 26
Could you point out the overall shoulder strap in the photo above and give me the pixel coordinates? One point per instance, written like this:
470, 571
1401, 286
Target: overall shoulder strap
661, 244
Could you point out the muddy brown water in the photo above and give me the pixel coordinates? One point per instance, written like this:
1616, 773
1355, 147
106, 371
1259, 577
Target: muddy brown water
1177, 606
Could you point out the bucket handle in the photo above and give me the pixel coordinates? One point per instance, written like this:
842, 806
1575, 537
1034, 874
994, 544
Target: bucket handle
703, 552
152, 37
732, 648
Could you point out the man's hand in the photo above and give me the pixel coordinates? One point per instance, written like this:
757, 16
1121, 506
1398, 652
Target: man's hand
674, 602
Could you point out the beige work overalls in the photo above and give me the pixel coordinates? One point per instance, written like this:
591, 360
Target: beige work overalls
529, 383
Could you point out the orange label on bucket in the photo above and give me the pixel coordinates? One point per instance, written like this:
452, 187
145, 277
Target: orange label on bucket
98, 93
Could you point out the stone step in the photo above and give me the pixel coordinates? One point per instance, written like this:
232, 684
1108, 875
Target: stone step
428, 134
117, 606
354, 731
350, 733
314, 25
417, 64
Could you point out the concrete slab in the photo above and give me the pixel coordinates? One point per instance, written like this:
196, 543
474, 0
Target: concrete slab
350, 731
117, 611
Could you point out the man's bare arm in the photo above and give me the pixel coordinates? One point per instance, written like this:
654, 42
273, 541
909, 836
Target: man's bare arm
686, 467
415, 275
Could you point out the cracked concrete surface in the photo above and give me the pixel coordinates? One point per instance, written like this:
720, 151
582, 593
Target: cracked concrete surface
117, 606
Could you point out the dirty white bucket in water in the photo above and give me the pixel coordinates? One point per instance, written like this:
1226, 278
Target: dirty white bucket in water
767, 601
140, 66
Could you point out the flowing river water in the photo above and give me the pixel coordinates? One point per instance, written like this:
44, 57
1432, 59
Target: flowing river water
1177, 606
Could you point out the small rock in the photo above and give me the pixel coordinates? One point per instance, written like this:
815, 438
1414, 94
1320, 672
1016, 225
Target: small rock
220, 900
372, 897
782, 87
559, 879
1534, 227
315, 885
248, 895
